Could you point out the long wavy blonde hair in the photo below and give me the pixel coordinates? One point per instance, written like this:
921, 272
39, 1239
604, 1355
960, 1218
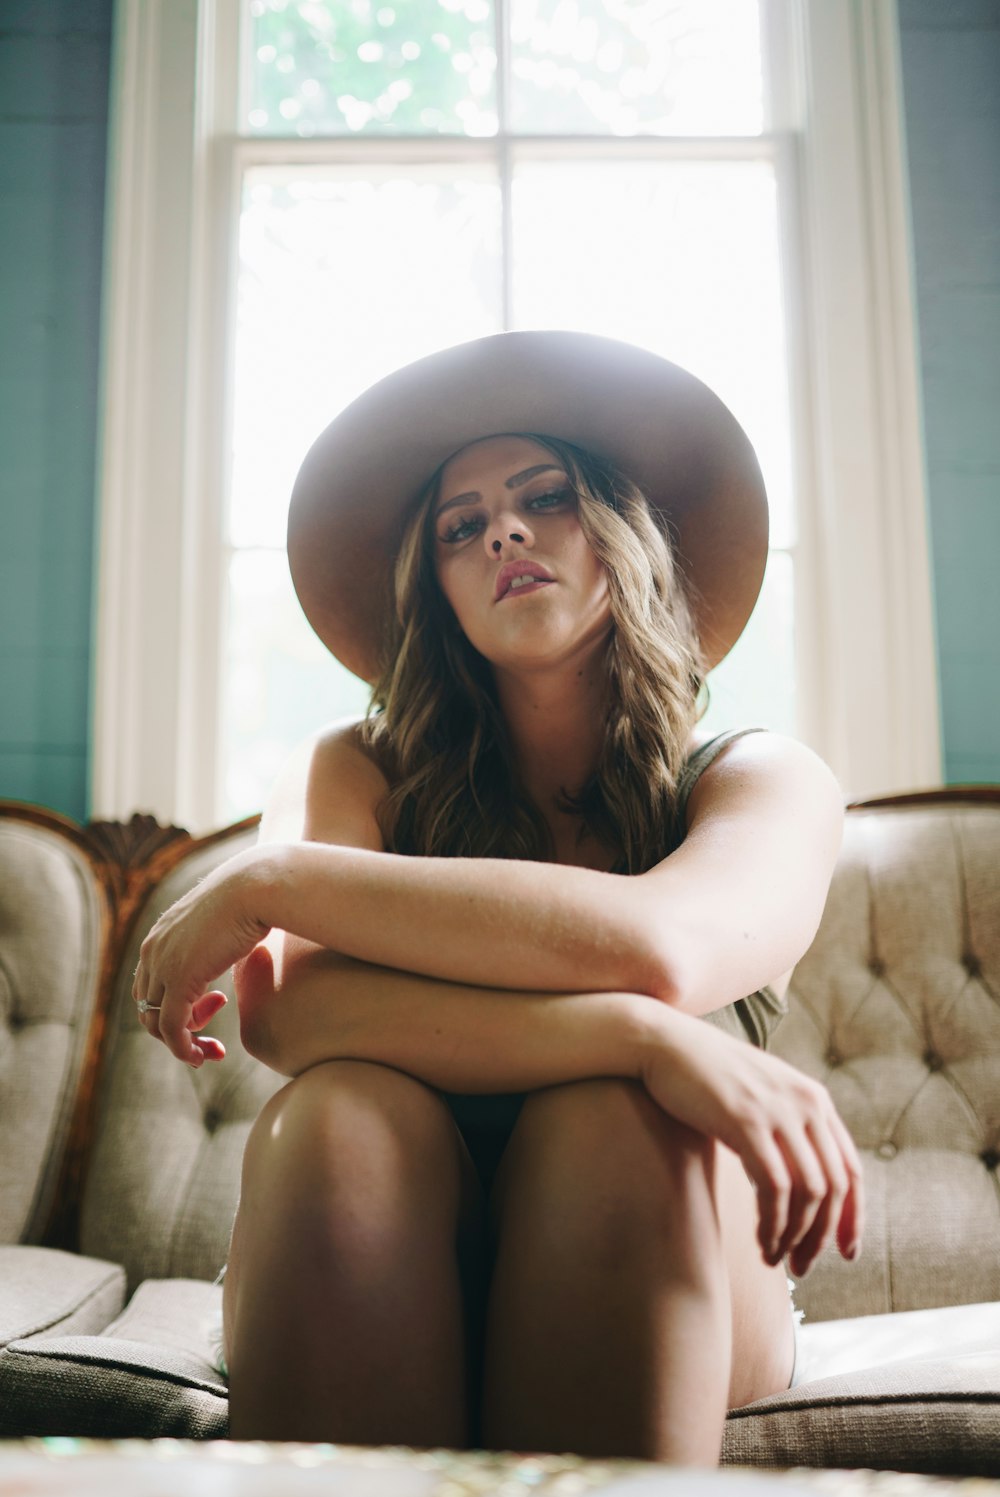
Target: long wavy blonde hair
436, 729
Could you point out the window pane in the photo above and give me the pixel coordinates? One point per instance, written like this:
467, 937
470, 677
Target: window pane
344, 67
679, 257
755, 684
345, 274
617, 67
280, 682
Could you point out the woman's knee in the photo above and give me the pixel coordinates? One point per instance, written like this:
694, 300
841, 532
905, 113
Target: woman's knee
608, 1121
350, 1122
603, 1146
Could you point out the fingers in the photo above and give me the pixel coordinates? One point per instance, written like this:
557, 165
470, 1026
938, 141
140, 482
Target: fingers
205, 1008
210, 1048
202, 1012
175, 1020
140, 983
768, 1169
810, 1193
827, 1197
823, 1214
149, 1008
851, 1227
809, 1186
180, 1035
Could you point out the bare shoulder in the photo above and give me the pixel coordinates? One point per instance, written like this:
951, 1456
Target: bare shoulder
328, 791
769, 776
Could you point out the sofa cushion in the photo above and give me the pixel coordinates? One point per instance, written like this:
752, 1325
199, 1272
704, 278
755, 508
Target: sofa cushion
896, 1008
163, 1180
151, 1372
46, 1292
916, 1389
148, 1373
52, 921
941, 1417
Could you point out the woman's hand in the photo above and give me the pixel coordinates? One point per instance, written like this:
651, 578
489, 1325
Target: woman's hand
190, 946
782, 1124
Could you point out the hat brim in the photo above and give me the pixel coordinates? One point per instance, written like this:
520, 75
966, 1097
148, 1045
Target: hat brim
656, 422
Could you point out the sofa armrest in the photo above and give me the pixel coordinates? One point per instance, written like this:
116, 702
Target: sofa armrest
54, 917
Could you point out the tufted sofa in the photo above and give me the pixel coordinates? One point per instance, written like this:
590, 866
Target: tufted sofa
119, 1168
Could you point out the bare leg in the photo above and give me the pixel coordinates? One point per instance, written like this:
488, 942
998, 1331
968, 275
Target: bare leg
763, 1335
359, 1228
610, 1324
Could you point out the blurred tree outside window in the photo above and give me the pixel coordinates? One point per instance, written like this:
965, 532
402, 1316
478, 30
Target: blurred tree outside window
417, 174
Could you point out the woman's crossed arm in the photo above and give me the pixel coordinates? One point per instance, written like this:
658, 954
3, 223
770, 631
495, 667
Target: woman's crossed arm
733, 908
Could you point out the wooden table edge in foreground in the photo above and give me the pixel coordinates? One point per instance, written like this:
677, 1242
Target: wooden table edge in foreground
58, 1467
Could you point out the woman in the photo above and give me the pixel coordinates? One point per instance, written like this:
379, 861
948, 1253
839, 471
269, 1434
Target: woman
516, 1192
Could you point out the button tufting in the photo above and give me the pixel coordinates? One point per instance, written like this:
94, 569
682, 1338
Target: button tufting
212, 1119
933, 1061
876, 967
833, 1058
887, 1150
972, 964
991, 1159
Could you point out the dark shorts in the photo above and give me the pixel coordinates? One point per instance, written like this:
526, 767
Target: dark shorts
486, 1123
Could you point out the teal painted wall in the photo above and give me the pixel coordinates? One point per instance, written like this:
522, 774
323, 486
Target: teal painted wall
54, 68
951, 75
54, 65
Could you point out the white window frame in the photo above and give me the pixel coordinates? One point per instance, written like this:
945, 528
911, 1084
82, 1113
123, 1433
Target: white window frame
867, 686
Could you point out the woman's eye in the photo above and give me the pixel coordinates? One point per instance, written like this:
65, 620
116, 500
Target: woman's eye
461, 529
549, 499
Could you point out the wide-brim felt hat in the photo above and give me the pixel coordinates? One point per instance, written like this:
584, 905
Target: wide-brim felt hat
654, 421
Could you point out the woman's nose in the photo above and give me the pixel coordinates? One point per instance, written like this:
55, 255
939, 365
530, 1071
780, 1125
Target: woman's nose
506, 532
514, 536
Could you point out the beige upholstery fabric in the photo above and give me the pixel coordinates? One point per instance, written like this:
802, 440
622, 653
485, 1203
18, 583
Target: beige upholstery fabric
928, 1381
896, 1008
936, 1417
163, 1183
45, 1292
50, 950
149, 1373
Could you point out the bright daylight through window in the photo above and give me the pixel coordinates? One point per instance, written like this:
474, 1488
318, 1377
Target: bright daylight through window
421, 172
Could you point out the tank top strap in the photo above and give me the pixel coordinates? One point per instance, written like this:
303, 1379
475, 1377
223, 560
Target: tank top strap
698, 762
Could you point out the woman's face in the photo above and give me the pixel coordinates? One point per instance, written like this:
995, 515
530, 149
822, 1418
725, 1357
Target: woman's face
505, 511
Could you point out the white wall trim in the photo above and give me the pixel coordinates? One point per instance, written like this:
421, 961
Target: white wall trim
914, 654
208, 424
161, 429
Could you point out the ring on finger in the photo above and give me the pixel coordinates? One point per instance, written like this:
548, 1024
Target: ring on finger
147, 1008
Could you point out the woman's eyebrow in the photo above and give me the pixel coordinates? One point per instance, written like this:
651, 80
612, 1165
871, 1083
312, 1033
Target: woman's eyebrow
511, 483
